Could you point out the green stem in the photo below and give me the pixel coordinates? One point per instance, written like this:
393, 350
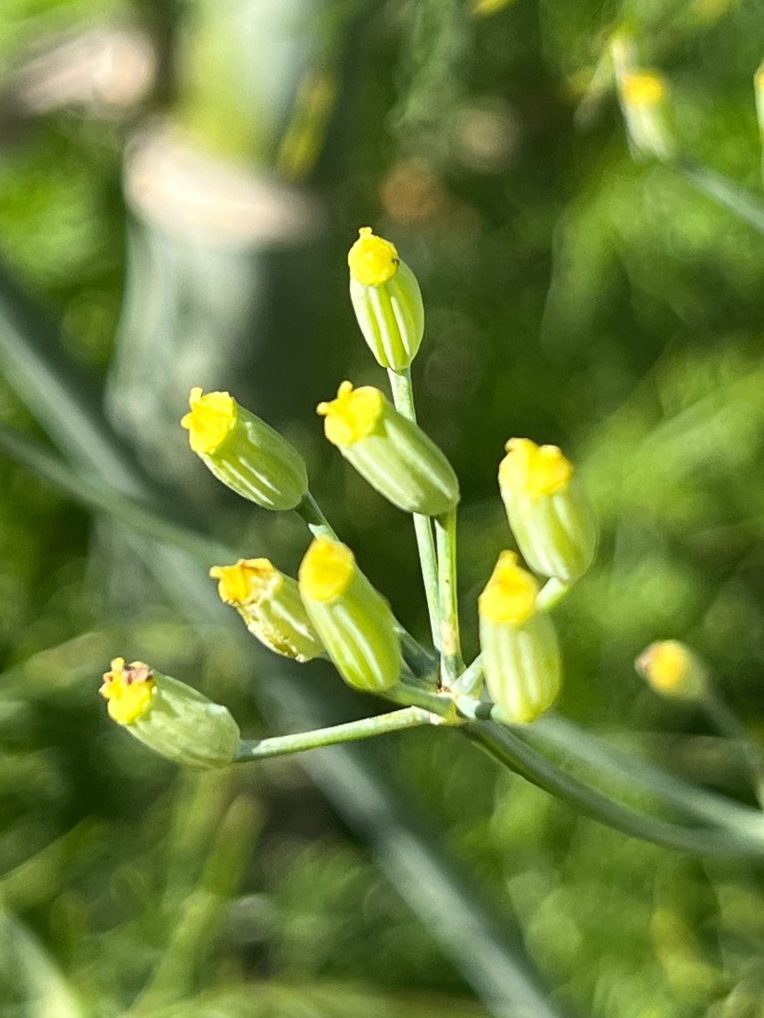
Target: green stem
403, 398
551, 594
724, 192
365, 728
729, 725
505, 747
310, 513
450, 648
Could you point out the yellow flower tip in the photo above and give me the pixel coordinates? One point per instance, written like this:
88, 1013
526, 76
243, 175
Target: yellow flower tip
326, 570
353, 415
643, 88
372, 260
247, 582
128, 690
667, 665
210, 419
533, 470
510, 594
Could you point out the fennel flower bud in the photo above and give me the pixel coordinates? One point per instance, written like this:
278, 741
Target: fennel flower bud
643, 101
549, 512
270, 605
672, 670
521, 656
353, 620
386, 299
392, 453
243, 452
169, 717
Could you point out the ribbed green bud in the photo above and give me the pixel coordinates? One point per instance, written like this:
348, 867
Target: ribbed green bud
521, 656
355, 622
243, 452
392, 453
170, 717
269, 603
673, 670
386, 299
549, 512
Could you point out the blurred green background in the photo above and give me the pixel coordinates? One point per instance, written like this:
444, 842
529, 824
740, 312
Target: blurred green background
179, 183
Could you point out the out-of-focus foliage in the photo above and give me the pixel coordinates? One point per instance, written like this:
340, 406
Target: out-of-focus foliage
571, 294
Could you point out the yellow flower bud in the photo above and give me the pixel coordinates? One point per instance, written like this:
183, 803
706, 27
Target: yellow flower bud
672, 669
169, 717
643, 102
393, 454
520, 653
269, 603
548, 511
355, 622
243, 452
386, 299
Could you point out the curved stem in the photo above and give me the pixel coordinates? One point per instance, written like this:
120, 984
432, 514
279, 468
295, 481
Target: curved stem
403, 398
352, 731
508, 749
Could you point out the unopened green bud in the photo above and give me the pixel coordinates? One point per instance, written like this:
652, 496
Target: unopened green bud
243, 452
170, 717
758, 85
521, 656
391, 452
386, 299
643, 102
269, 603
355, 622
673, 670
548, 510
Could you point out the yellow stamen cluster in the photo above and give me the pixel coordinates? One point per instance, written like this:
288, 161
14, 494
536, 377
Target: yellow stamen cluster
326, 570
510, 594
533, 470
667, 666
353, 415
372, 260
643, 88
211, 418
128, 690
247, 582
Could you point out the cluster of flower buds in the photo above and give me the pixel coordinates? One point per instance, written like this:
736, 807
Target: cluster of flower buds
332, 610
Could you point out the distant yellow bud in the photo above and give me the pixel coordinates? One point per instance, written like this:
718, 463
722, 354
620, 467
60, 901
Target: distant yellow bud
326, 570
210, 419
534, 470
353, 415
672, 669
643, 88
128, 690
372, 260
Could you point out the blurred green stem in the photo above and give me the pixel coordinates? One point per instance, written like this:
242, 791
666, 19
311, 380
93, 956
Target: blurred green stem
451, 653
728, 724
724, 192
365, 728
403, 398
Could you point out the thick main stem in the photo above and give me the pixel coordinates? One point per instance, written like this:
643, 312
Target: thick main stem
352, 731
403, 398
448, 612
